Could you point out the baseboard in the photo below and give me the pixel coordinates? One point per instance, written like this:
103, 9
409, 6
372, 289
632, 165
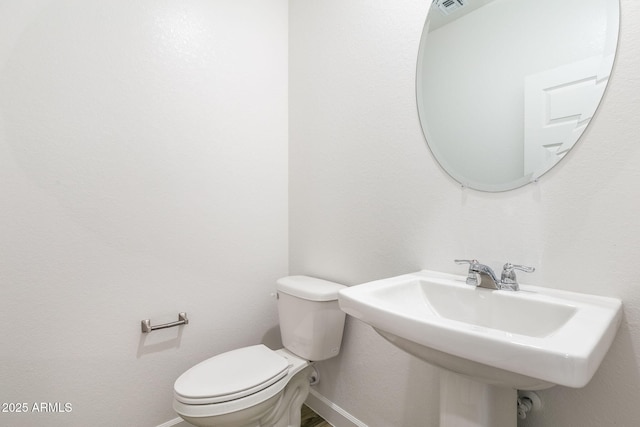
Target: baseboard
332, 413
176, 422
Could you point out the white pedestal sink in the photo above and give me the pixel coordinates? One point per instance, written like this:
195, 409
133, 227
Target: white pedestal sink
490, 343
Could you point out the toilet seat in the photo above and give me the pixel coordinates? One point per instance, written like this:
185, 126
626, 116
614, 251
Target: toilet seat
231, 375
199, 407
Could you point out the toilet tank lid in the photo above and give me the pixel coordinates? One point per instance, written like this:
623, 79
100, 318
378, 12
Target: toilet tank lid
309, 288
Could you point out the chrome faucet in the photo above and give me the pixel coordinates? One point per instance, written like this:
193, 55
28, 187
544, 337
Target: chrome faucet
479, 274
482, 276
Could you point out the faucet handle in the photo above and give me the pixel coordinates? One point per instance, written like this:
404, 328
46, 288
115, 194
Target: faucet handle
509, 275
466, 261
472, 276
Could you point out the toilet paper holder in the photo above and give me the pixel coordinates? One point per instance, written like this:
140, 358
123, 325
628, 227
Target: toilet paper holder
146, 323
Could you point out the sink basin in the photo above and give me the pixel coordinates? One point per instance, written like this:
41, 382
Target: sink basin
530, 339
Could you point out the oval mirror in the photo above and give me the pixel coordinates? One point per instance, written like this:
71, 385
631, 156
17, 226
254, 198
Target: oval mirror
505, 88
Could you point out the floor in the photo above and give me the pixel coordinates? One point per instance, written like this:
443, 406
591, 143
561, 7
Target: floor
311, 419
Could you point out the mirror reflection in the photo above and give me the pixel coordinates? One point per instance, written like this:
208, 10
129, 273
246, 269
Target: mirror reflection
505, 88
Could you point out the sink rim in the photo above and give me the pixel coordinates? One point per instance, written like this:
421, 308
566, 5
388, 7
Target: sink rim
570, 356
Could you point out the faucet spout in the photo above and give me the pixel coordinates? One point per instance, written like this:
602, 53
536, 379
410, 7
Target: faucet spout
486, 278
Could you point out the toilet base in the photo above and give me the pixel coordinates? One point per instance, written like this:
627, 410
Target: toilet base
289, 411
249, 417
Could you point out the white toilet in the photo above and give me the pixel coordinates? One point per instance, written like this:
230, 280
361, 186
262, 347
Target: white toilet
259, 387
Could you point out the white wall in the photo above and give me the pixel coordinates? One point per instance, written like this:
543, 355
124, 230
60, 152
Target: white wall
143, 172
368, 201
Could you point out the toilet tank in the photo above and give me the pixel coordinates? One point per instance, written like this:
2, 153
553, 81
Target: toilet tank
311, 322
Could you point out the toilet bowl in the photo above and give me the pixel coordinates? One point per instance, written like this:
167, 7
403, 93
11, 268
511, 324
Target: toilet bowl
258, 387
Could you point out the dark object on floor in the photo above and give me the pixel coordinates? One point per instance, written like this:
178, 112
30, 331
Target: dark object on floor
311, 419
